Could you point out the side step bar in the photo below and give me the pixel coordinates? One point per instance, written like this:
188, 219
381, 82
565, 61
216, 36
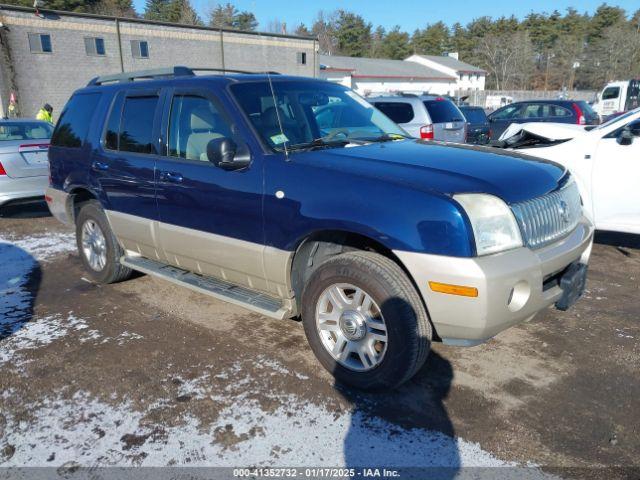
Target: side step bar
244, 297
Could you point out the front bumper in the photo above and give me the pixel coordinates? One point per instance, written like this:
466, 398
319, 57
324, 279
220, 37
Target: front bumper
12, 189
512, 286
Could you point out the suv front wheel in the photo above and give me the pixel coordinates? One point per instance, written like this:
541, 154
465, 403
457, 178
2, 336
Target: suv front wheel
365, 321
99, 250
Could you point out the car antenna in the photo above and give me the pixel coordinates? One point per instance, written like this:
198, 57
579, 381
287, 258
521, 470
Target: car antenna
275, 99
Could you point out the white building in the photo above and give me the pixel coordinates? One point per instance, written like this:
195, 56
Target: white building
373, 75
416, 74
470, 78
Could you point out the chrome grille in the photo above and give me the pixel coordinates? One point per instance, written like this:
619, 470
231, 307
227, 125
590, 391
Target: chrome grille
543, 220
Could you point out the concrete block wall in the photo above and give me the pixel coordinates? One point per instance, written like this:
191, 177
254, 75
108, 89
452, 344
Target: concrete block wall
52, 77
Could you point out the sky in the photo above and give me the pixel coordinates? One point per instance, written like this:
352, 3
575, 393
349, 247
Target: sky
409, 14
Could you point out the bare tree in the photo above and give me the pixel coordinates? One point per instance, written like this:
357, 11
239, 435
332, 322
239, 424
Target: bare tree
325, 28
508, 57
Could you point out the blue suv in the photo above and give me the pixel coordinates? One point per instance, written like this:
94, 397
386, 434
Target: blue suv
230, 185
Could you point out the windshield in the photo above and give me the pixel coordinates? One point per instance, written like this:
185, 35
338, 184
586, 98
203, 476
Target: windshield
617, 119
474, 115
309, 112
24, 131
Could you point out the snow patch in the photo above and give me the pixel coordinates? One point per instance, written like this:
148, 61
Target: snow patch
36, 334
44, 246
94, 433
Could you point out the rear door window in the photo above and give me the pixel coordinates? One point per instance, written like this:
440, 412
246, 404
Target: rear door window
71, 130
399, 112
442, 111
560, 112
136, 126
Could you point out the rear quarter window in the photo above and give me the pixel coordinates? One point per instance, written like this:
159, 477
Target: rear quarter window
71, 130
442, 111
399, 112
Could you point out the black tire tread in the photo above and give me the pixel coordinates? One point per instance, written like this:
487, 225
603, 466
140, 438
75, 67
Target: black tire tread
390, 273
118, 272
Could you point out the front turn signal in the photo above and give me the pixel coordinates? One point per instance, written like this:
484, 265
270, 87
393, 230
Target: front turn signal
453, 289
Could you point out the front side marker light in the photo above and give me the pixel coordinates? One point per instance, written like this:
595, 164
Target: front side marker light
453, 289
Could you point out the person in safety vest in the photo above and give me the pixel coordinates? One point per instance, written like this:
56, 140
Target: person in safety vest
45, 113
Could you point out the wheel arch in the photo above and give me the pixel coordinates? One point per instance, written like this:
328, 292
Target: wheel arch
78, 196
316, 247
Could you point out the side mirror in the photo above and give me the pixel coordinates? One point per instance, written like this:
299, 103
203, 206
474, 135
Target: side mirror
625, 137
223, 152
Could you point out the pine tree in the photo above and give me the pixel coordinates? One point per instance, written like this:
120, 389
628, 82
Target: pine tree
353, 34
396, 44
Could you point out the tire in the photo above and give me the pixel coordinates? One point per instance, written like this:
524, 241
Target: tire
111, 270
408, 329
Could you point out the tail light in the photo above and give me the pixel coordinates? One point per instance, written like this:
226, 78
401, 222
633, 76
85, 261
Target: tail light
426, 132
581, 119
3, 172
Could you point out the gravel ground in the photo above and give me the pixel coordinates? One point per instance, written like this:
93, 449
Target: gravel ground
144, 373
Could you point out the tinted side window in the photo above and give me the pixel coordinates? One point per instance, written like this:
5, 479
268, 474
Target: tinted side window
75, 119
506, 113
396, 111
113, 124
558, 111
442, 111
136, 126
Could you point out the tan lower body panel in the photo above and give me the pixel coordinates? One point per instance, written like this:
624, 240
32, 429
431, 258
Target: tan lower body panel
240, 262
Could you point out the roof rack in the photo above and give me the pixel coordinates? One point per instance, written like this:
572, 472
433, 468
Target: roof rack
158, 73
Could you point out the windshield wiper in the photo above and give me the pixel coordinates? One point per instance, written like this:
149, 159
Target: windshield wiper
318, 143
388, 137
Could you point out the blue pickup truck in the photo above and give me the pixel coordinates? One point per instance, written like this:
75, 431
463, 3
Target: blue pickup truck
231, 186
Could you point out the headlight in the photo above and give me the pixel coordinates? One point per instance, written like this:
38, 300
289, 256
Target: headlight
493, 223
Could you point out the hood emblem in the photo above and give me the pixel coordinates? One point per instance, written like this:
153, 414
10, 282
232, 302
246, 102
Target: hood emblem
563, 210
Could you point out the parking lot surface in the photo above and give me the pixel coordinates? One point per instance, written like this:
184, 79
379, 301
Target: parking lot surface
144, 373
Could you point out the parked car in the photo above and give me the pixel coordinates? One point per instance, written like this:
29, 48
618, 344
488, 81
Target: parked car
619, 96
429, 117
493, 102
24, 170
557, 111
225, 185
478, 127
605, 161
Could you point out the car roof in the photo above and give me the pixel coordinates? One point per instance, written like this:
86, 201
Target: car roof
545, 101
405, 97
222, 80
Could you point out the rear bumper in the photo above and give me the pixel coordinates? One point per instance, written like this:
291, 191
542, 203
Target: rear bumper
512, 286
12, 189
59, 204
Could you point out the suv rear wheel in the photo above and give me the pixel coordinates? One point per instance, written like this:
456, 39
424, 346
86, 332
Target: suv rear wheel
99, 250
365, 321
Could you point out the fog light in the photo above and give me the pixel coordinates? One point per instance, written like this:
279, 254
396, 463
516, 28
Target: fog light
519, 295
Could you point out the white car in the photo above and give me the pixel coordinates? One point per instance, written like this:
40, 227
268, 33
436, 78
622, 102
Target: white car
605, 161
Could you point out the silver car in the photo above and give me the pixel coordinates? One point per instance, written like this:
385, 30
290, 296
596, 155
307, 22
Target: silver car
24, 167
429, 117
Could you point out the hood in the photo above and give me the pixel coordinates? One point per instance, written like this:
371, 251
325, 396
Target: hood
444, 168
549, 131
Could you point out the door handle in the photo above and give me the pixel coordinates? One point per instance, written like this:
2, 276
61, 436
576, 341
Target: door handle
100, 166
171, 177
